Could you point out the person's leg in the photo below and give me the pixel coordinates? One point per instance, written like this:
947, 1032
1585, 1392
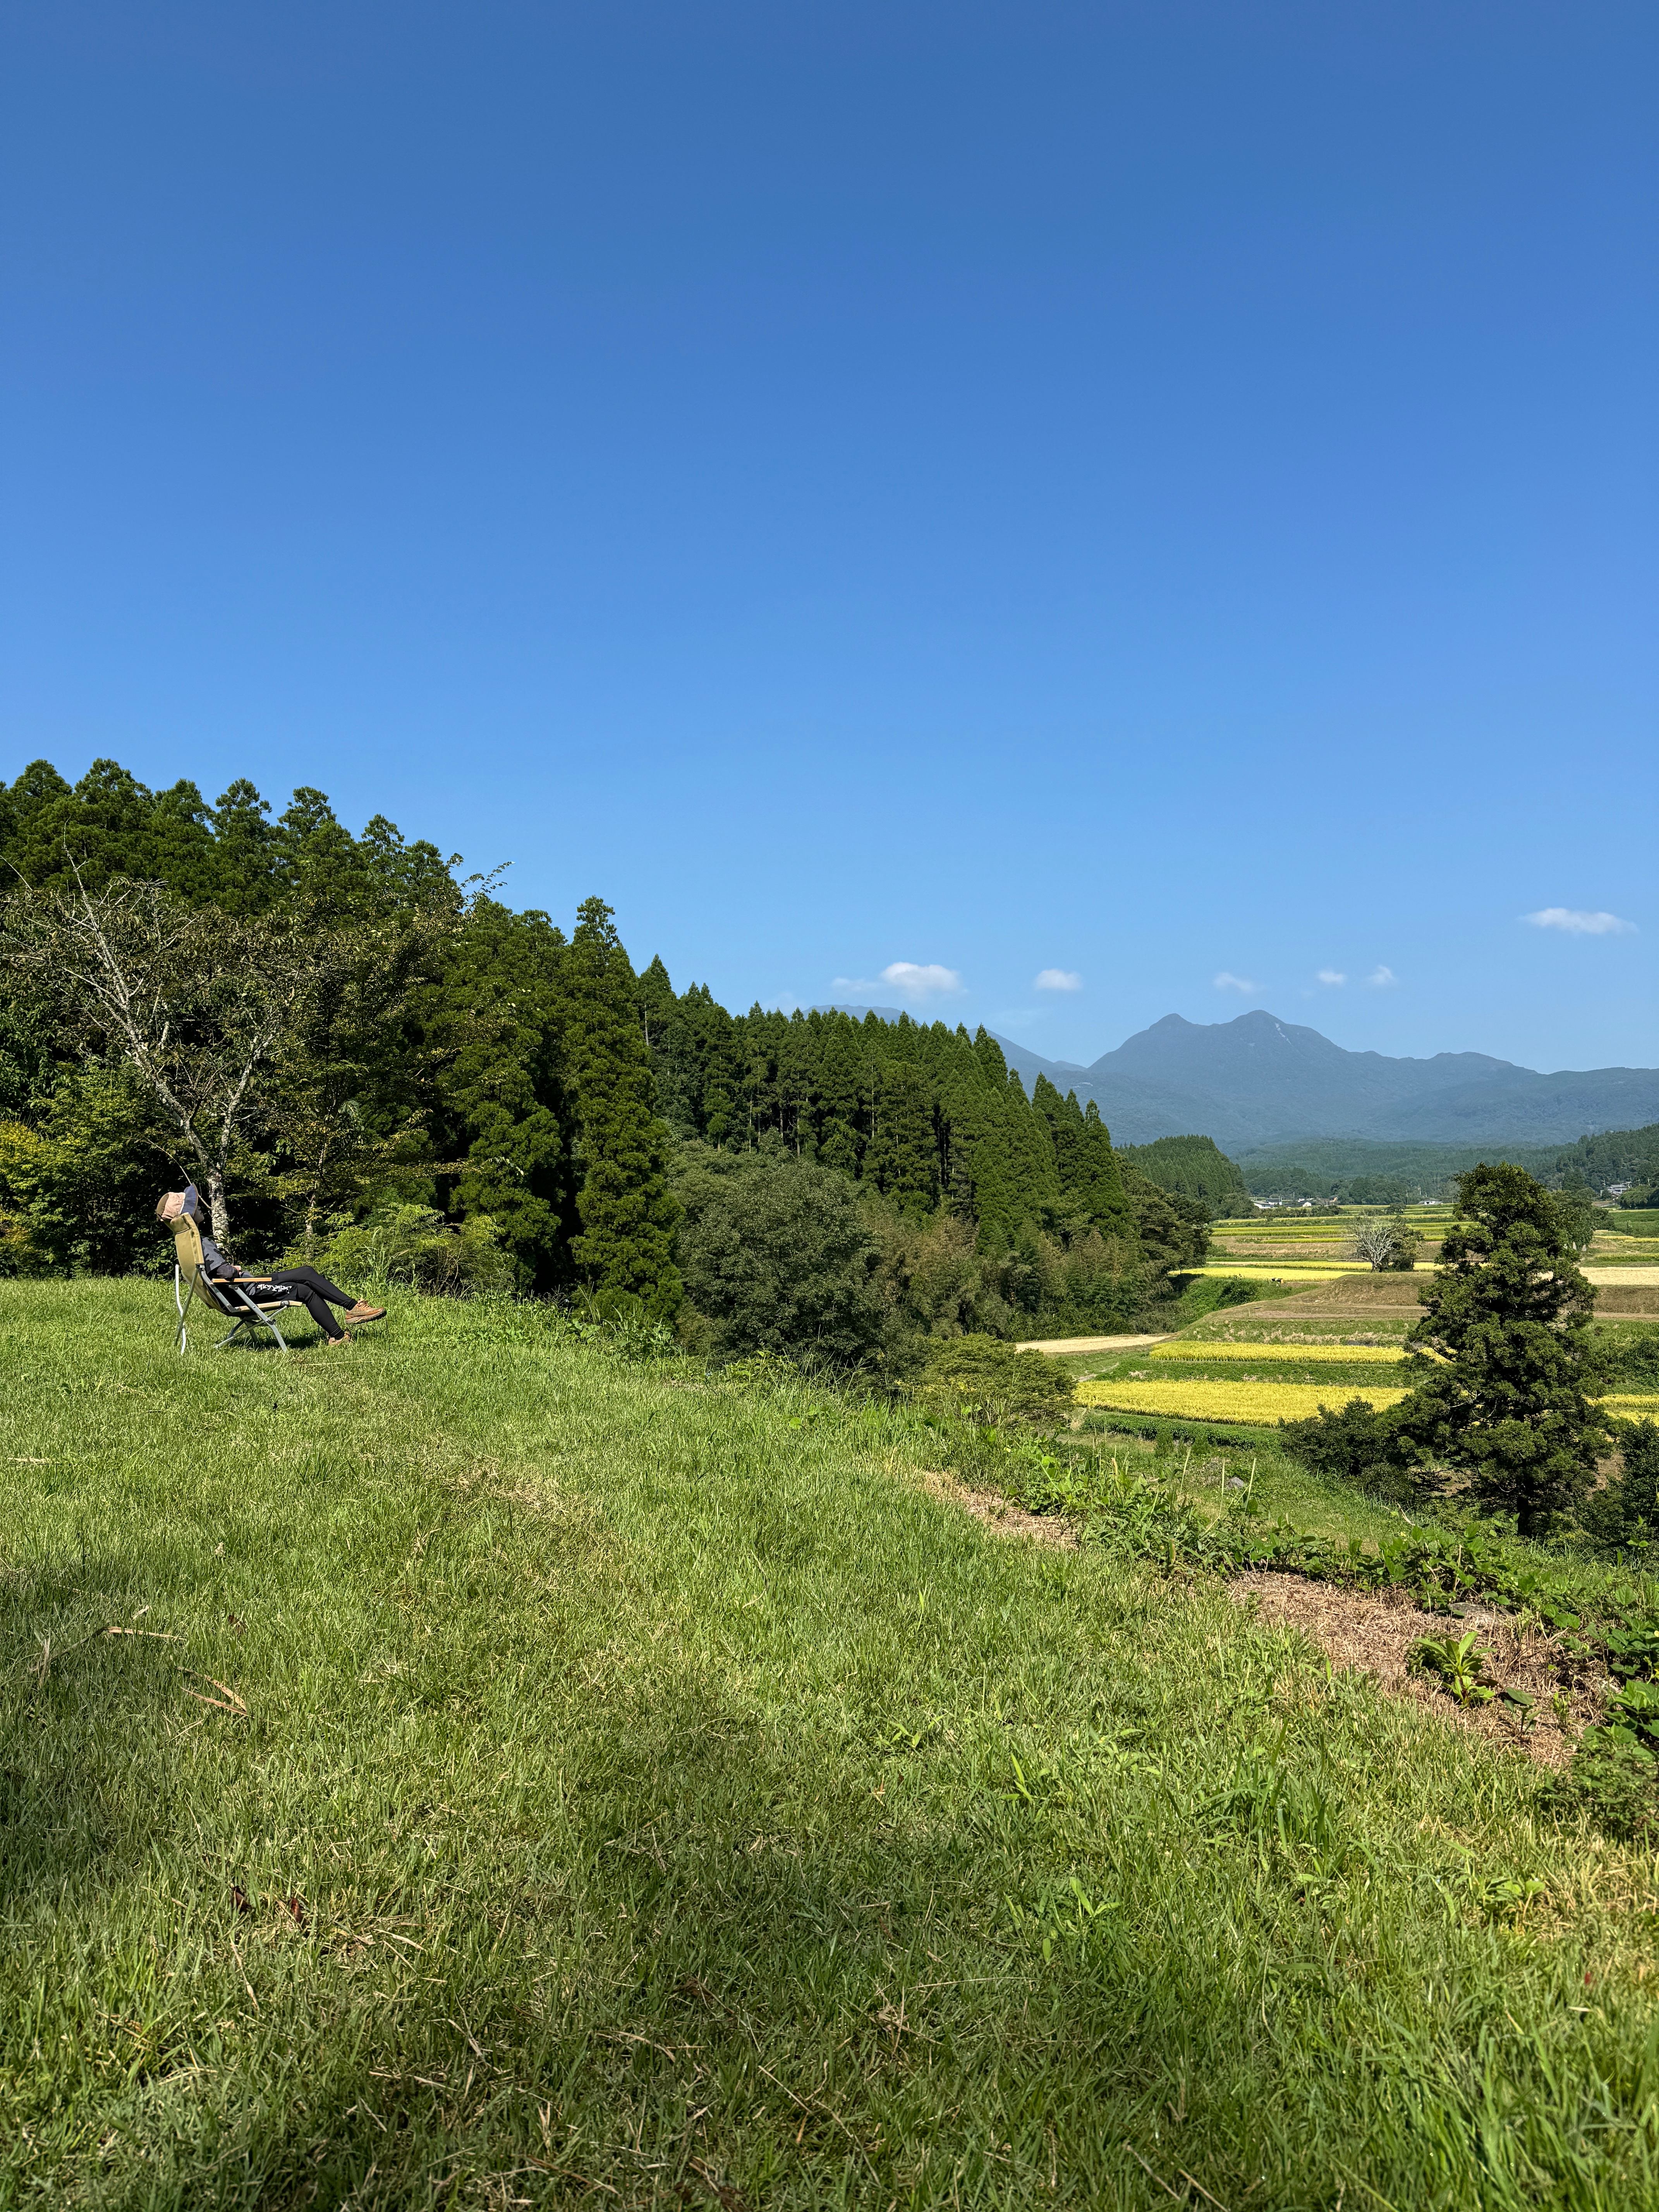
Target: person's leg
307, 1278
317, 1307
314, 1288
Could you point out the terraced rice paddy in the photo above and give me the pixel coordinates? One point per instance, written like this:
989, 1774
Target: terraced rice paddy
1257, 1403
1187, 1348
1283, 1271
1195, 1398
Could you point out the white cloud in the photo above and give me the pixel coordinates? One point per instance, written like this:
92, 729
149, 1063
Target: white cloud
1331, 975
1577, 923
931, 981
910, 979
1225, 982
1381, 979
1057, 979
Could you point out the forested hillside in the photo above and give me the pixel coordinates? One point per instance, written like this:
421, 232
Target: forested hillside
1194, 1166
407, 1040
1626, 1156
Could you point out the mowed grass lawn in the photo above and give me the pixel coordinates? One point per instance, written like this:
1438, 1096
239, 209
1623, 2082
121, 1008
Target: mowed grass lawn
649, 1794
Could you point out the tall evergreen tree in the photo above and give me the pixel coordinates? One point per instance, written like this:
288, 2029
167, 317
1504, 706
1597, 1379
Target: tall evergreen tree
1036, 1184
1504, 1363
1100, 1190
719, 1062
1065, 1119
628, 1214
496, 1018
902, 1158
795, 1057
989, 1052
657, 1003
839, 1094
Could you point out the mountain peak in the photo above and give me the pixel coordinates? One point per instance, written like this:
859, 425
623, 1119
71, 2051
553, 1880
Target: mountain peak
1259, 1080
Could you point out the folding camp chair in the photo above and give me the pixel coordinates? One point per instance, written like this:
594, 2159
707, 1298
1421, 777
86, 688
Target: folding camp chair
245, 1306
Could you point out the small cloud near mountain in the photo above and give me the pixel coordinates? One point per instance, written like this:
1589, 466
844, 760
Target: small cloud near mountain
1331, 975
1056, 979
1575, 922
1381, 979
912, 979
1226, 981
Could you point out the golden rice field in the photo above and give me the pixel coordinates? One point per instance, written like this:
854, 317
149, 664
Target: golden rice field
1283, 1271
1186, 1347
1264, 1402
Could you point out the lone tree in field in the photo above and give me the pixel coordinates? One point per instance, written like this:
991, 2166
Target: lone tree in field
1374, 1242
1502, 1357
1387, 1245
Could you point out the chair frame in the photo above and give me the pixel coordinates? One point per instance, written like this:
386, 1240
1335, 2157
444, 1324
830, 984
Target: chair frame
227, 1299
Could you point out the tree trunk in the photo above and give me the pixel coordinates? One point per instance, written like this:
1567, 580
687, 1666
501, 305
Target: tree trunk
220, 1212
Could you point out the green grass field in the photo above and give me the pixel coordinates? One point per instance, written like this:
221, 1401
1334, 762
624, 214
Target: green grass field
525, 1779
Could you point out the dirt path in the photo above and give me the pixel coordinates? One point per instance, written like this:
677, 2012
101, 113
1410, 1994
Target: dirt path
1372, 1632
1001, 1518
1375, 1633
1057, 1346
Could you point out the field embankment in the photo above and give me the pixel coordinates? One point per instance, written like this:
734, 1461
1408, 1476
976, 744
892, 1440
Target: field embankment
472, 1770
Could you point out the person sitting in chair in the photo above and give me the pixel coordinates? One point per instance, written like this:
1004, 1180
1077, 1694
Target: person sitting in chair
314, 1291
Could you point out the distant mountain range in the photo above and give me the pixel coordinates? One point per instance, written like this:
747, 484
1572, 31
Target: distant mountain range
1258, 1081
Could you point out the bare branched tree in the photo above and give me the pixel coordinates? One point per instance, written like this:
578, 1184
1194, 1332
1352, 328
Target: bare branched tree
196, 1002
1375, 1241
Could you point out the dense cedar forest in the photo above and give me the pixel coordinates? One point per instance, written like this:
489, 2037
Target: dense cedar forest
1196, 1166
446, 1054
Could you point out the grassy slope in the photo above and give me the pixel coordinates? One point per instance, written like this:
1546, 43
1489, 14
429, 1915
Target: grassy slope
656, 1775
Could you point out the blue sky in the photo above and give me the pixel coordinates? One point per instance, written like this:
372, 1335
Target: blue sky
921, 496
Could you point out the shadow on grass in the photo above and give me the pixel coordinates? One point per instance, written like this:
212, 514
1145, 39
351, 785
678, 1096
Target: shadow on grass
693, 1977
77, 1703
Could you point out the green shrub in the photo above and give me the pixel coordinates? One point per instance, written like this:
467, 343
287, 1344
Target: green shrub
416, 1245
1355, 1444
1633, 1360
775, 1256
78, 1192
994, 1383
1624, 1514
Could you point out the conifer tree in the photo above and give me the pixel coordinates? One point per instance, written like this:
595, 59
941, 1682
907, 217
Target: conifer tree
628, 1213
674, 1059
720, 1068
795, 1085
496, 1016
902, 1158
1504, 1363
1065, 1121
655, 997
1100, 1187
840, 1087
1036, 1182
989, 1052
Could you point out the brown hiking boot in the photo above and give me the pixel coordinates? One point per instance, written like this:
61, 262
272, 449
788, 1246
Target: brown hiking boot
335, 1342
361, 1312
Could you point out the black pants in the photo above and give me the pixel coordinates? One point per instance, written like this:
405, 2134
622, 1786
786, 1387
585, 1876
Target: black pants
316, 1295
